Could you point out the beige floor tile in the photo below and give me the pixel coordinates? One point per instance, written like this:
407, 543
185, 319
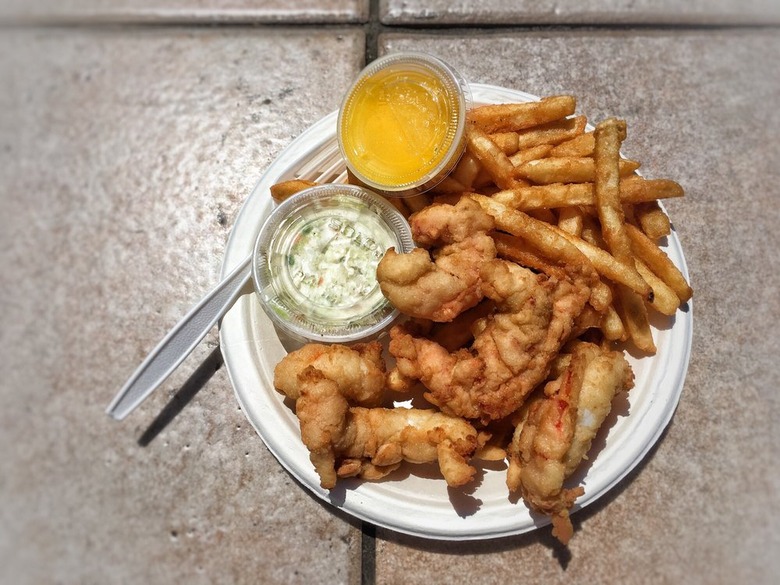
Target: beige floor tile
258, 11
438, 12
702, 109
125, 156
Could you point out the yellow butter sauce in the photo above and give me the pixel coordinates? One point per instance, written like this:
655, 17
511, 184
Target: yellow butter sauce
401, 124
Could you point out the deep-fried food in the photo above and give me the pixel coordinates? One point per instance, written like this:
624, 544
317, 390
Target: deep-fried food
558, 429
512, 348
446, 224
346, 441
540, 241
440, 288
538, 451
359, 370
441, 284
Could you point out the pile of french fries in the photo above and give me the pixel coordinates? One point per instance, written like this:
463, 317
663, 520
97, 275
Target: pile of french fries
561, 194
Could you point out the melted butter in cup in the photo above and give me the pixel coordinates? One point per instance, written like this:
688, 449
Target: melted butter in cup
315, 263
401, 125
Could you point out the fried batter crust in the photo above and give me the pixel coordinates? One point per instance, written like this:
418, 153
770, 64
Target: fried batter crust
512, 348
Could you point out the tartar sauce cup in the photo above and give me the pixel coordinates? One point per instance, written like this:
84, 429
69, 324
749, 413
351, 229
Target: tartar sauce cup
402, 123
315, 263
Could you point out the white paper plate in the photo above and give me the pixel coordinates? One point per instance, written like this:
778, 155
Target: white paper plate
414, 503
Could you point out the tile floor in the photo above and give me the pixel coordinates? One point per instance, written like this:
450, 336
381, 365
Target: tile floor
130, 136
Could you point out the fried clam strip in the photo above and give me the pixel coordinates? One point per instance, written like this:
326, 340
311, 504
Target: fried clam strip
558, 427
441, 284
359, 370
346, 441
512, 348
446, 224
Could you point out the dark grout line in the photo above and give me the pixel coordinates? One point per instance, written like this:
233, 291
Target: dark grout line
368, 555
374, 28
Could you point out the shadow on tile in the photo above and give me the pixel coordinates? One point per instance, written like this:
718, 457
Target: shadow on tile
188, 390
541, 535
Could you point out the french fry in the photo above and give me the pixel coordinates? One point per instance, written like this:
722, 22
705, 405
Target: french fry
606, 153
552, 133
606, 264
633, 313
514, 117
636, 189
567, 170
657, 260
506, 141
491, 158
665, 300
544, 237
652, 219
466, 171
570, 220
581, 145
632, 190
612, 326
286, 189
516, 249
529, 154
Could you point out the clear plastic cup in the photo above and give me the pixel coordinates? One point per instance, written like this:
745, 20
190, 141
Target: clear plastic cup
315, 263
401, 125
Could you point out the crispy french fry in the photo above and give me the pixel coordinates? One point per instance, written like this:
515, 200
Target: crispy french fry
529, 154
466, 171
570, 220
514, 117
652, 219
564, 195
567, 170
551, 133
581, 145
657, 260
491, 158
633, 313
612, 326
506, 141
544, 237
516, 249
606, 264
665, 300
285, 189
635, 189
609, 135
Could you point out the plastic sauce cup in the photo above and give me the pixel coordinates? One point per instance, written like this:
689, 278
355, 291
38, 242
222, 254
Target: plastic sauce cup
315, 263
401, 124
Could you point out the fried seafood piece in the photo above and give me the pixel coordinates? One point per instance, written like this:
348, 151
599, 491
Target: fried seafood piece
439, 286
512, 347
557, 429
359, 370
346, 441
442, 223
